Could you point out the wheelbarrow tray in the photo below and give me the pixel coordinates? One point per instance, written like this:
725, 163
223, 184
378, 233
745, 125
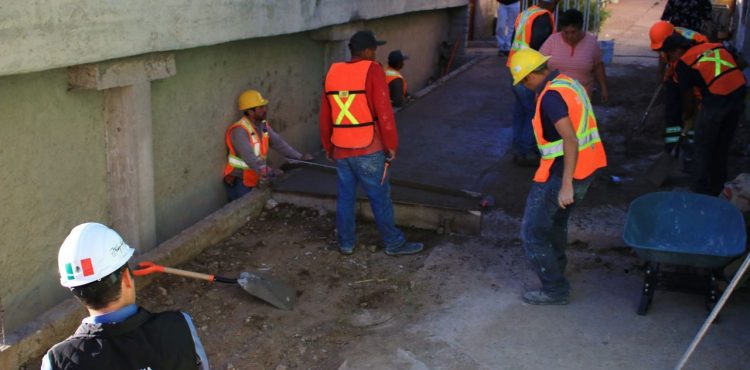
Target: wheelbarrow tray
685, 229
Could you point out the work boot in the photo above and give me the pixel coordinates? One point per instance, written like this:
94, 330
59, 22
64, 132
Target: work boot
539, 297
403, 249
346, 250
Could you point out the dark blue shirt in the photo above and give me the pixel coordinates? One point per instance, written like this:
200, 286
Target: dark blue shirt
553, 108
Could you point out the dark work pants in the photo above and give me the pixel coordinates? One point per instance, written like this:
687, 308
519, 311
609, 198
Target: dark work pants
672, 114
714, 128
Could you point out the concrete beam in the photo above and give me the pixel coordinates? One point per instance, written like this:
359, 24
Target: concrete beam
31, 341
121, 72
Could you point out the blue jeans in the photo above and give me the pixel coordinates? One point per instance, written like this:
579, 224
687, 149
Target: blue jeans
523, 133
544, 232
237, 189
366, 170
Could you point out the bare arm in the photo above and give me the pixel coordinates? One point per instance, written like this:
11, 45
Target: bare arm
570, 155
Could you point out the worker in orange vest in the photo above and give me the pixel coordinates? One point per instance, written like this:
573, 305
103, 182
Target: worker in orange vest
673, 124
532, 27
717, 74
571, 151
248, 140
358, 132
396, 82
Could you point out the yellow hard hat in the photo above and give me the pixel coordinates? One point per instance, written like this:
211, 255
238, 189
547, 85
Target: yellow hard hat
250, 99
524, 62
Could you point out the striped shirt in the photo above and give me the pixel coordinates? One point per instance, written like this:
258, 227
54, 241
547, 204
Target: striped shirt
577, 62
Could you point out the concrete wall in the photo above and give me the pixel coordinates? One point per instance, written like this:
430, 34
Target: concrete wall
52, 141
41, 34
485, 12
53, 166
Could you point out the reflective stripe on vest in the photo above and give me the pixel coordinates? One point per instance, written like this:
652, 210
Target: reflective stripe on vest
717, 67
523, 28
353, 125
590, 155
392, 74
260, 149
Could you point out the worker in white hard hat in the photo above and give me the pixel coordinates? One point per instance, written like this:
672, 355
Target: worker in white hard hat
567, 137
248, 140
117, 334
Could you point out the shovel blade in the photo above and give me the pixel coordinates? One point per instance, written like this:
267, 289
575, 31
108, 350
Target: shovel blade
664, 166
275, 292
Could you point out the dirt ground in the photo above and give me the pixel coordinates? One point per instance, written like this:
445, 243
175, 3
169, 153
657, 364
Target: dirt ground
351, 305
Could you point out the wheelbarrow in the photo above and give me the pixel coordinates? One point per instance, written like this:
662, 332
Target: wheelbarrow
685, 229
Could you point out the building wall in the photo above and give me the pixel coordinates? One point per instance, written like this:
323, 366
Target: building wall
53, 155
485, 12
53, 166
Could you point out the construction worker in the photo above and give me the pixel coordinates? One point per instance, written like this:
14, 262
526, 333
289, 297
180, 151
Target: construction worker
532, 27
568, 139
248, 140
673, 124
358, 132
396, 82
117, 334
717, 74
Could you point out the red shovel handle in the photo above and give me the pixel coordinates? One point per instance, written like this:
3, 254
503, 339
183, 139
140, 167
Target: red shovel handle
147, 268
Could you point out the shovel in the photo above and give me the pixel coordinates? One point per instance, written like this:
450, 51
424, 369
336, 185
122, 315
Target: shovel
664, 166
642, 123
272, 291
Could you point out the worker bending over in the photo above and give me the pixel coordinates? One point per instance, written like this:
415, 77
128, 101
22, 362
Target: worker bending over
396, 82
568, 139
673, 124
715, 72
358, 131
117, 334
532, 28
248, 140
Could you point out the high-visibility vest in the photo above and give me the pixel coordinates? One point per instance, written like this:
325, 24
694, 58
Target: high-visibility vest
717, 67
591, 154
689, 34
392, 74
259, 143
523, 26
353, 123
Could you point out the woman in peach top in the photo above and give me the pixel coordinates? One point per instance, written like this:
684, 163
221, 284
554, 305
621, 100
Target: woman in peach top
576, 53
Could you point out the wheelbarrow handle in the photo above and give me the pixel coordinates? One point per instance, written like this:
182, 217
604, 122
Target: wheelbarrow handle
148, 267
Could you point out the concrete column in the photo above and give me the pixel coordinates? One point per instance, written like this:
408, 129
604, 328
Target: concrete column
336, 42
130, 165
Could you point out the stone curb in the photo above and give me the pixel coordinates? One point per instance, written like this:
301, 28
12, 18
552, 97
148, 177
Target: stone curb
33, 339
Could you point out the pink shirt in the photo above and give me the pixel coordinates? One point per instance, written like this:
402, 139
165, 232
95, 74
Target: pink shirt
577, 62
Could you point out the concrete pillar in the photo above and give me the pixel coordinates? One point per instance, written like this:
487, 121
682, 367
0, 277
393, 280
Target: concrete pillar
129, 141
336, 42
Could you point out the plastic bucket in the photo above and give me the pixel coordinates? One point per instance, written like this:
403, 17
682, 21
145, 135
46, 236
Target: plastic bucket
608, 50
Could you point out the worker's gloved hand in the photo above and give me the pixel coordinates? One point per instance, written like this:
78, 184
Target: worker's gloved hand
276, 172
329, 156
307, 157
265, 171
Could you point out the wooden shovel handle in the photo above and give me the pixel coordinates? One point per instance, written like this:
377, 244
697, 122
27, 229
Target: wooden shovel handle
148, 267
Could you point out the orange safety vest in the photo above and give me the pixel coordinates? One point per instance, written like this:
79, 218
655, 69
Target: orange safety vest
353, 125
523, 26
259, 144
717, 67
689, 34
590, 149
392, 74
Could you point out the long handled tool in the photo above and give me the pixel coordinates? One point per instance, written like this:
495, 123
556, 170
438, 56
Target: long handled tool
714, 312
485, 200
270, 290
635, 128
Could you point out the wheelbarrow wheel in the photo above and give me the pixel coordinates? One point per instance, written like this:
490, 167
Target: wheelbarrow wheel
643, 305
650, 279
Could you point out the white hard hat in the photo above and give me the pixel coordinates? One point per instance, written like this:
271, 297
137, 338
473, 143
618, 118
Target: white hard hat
91, 252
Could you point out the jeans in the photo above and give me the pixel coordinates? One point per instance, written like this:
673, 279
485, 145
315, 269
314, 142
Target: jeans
523, 133
714, 131
506, 18
237, 189
544, 232
366, 170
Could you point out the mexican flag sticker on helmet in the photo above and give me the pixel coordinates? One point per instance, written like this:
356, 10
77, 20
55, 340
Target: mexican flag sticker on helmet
85, 267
